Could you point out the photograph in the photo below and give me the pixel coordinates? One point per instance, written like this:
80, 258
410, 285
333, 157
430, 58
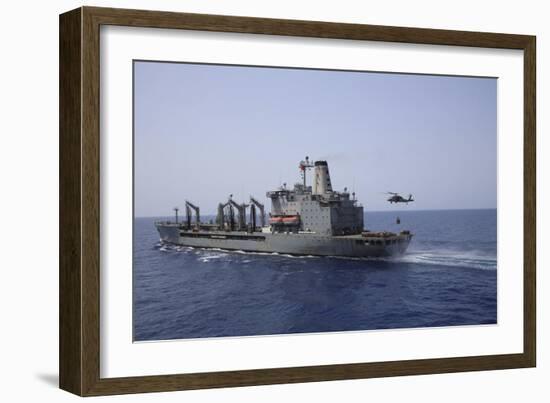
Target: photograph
270, 200
250, 198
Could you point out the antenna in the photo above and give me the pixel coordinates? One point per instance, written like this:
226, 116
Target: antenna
176, 209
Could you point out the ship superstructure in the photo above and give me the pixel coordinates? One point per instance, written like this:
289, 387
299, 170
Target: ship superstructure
315, 209
305, 220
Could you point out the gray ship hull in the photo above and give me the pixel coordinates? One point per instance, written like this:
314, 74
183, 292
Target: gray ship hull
361, 245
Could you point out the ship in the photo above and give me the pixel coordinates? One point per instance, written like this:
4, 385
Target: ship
307, 219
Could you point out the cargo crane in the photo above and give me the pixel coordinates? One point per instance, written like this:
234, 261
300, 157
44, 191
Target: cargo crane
221, 215
188, 207
231, 218
253, 205
252, 222
241, 209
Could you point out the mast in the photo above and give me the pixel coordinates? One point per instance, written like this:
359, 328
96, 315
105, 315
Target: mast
304, 166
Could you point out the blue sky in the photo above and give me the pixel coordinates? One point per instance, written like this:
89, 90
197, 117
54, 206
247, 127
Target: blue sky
202, 132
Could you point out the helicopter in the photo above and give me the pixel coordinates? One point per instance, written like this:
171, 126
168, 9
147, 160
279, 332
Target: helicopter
397, 198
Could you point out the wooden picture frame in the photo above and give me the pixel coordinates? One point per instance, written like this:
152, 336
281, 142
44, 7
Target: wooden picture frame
79, 279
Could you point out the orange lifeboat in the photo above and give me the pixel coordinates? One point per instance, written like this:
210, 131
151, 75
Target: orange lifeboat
285, 219
276, 220
291, 219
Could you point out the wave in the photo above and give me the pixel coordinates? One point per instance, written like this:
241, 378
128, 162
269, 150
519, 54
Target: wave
470, 259
208, 258
450, 258
168, 247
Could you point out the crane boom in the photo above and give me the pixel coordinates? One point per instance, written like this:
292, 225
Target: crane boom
241, 208
261, 208
190, 206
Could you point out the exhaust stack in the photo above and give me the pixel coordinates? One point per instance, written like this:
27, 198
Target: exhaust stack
321, 179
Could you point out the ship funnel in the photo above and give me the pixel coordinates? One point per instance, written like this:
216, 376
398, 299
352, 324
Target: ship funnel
321, 178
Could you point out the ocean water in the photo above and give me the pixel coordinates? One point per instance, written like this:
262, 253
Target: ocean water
448, 277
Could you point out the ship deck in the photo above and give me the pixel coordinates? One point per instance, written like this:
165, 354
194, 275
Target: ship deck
212, 230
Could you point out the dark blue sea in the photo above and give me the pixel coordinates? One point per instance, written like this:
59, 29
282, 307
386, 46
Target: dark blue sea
448, 277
